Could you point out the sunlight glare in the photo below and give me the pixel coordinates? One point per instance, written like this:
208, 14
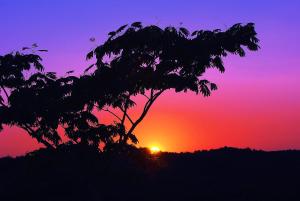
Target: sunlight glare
154, 149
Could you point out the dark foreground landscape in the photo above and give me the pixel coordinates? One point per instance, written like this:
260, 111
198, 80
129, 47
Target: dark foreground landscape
223, 174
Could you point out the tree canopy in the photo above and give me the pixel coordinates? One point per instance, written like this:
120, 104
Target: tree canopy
133, 61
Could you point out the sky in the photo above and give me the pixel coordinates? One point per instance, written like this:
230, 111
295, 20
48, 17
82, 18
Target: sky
257, 104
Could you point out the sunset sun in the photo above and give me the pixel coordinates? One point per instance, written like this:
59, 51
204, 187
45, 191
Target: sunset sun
154, 149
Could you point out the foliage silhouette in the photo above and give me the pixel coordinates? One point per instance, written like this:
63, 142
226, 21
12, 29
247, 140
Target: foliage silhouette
44, 103
134, 61
12, 78
147, 61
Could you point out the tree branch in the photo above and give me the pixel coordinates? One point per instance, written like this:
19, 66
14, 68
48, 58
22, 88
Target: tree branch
146, 96
126, 114
1, 103
147, 106
4, 90
107, 110
31, 132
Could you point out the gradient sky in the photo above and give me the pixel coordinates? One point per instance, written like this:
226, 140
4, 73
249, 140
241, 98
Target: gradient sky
257, 104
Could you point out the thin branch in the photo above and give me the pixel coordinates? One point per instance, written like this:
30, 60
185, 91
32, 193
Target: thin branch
145, 111
126, 114
146, 96
74, 141
1, 103
6, 94
158, 93
107, 110
31, 132
151, 93
152, 99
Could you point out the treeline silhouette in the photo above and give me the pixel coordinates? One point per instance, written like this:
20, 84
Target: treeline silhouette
74, 173
133, 61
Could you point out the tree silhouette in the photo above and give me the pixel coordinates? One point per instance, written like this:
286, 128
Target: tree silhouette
12, 67
147, 61
12, 77
44, 103
37, 106
134, 61
41, 103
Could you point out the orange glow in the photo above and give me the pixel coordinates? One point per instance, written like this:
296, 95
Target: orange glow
154, 150
248, 116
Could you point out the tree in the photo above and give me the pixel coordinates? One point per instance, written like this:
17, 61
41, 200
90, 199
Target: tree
42, 103
12, 68
134, 61
37, 106
147, 61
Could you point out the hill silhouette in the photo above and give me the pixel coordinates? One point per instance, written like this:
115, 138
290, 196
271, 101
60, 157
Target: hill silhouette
80, 173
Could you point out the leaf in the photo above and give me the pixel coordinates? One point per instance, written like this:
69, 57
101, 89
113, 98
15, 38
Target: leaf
88, 68
90, 55
112, 33
89, 117
241, 52
121, 28
137, 25
237, 25
51, 75
90, 106
133, 138
194, 33
204, 90
43, 50
218, 63
213, 86
184, 31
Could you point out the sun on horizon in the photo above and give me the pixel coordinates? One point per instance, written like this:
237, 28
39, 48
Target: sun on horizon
154, 149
